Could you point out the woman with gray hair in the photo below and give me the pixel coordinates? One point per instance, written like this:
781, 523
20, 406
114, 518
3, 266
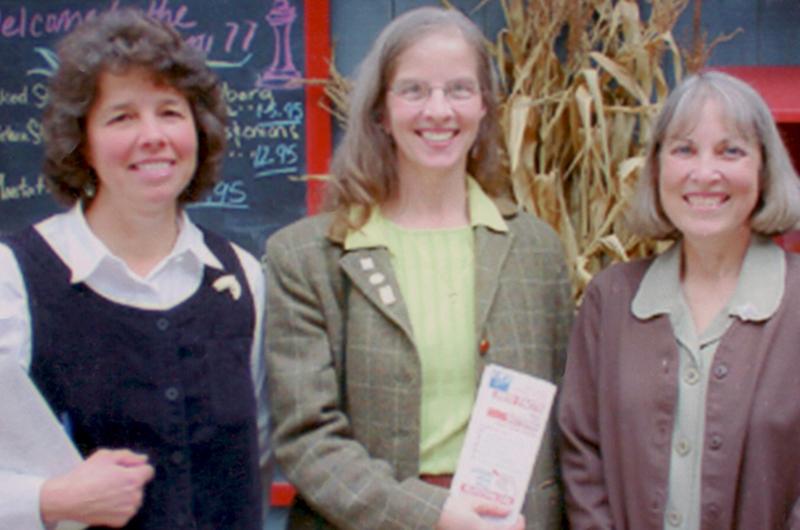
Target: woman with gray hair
674, 410
384, 310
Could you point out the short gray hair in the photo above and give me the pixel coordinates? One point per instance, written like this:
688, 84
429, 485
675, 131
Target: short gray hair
778, 206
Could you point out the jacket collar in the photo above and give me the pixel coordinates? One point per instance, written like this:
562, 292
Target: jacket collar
370, 270
758, 293
482, 211
337, 232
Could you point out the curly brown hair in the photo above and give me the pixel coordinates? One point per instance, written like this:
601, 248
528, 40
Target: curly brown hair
117, 41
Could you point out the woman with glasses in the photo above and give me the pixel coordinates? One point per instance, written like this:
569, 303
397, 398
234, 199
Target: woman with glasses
384, 310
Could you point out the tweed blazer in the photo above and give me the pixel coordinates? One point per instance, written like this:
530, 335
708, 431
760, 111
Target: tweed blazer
618, 408
344, 373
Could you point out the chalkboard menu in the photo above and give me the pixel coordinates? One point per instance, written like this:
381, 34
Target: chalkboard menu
256, 48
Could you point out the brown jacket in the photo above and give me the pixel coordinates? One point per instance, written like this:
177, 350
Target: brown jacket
616, 414
344, 374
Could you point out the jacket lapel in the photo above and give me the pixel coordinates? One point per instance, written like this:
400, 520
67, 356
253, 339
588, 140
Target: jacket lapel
740, 355
491, 251
370, 271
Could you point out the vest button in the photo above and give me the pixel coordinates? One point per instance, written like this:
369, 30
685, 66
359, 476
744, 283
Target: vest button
162, 324
171, 393
177, 457
184, 520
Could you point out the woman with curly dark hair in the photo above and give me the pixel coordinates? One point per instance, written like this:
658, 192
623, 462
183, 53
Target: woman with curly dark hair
136, 325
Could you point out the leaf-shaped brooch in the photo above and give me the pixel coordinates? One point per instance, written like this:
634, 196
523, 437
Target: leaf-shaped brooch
228, 283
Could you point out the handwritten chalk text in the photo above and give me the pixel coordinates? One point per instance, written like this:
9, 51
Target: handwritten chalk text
21, 190
237, 100
31, 134
277, 129
227, 195
279, 159
23, 23
35, 95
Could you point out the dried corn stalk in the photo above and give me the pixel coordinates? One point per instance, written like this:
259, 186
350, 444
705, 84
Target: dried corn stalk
583, 81
584, 78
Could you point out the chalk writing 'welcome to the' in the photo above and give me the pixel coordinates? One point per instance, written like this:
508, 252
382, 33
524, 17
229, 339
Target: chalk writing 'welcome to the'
23, 22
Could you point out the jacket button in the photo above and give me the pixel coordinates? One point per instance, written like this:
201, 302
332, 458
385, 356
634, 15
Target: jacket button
721, 371
683, 447
171, 393
674, 518
483, 346
657, 500
162, 324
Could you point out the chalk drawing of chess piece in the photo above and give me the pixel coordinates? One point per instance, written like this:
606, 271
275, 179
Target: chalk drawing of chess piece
282, 71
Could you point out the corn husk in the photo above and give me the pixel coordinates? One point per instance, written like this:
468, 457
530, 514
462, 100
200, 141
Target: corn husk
583, 81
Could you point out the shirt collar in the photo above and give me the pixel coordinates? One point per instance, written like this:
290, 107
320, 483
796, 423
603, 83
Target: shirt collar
761, 282
85, 252
660, 285
758, 293
482, 211
191, 242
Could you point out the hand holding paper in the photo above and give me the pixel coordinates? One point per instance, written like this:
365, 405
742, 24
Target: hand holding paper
465, 513
505, 431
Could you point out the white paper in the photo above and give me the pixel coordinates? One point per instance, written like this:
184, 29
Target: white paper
505, 431
32, 441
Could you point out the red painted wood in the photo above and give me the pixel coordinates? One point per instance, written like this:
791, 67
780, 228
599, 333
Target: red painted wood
778, 85
318, 121
282, 494
316, 30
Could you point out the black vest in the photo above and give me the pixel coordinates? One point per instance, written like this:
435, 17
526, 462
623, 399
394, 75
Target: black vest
172, 384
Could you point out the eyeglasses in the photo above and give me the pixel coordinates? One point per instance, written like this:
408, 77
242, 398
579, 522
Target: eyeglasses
414, 91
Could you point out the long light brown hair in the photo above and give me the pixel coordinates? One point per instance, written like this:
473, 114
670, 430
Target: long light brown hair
364, 167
